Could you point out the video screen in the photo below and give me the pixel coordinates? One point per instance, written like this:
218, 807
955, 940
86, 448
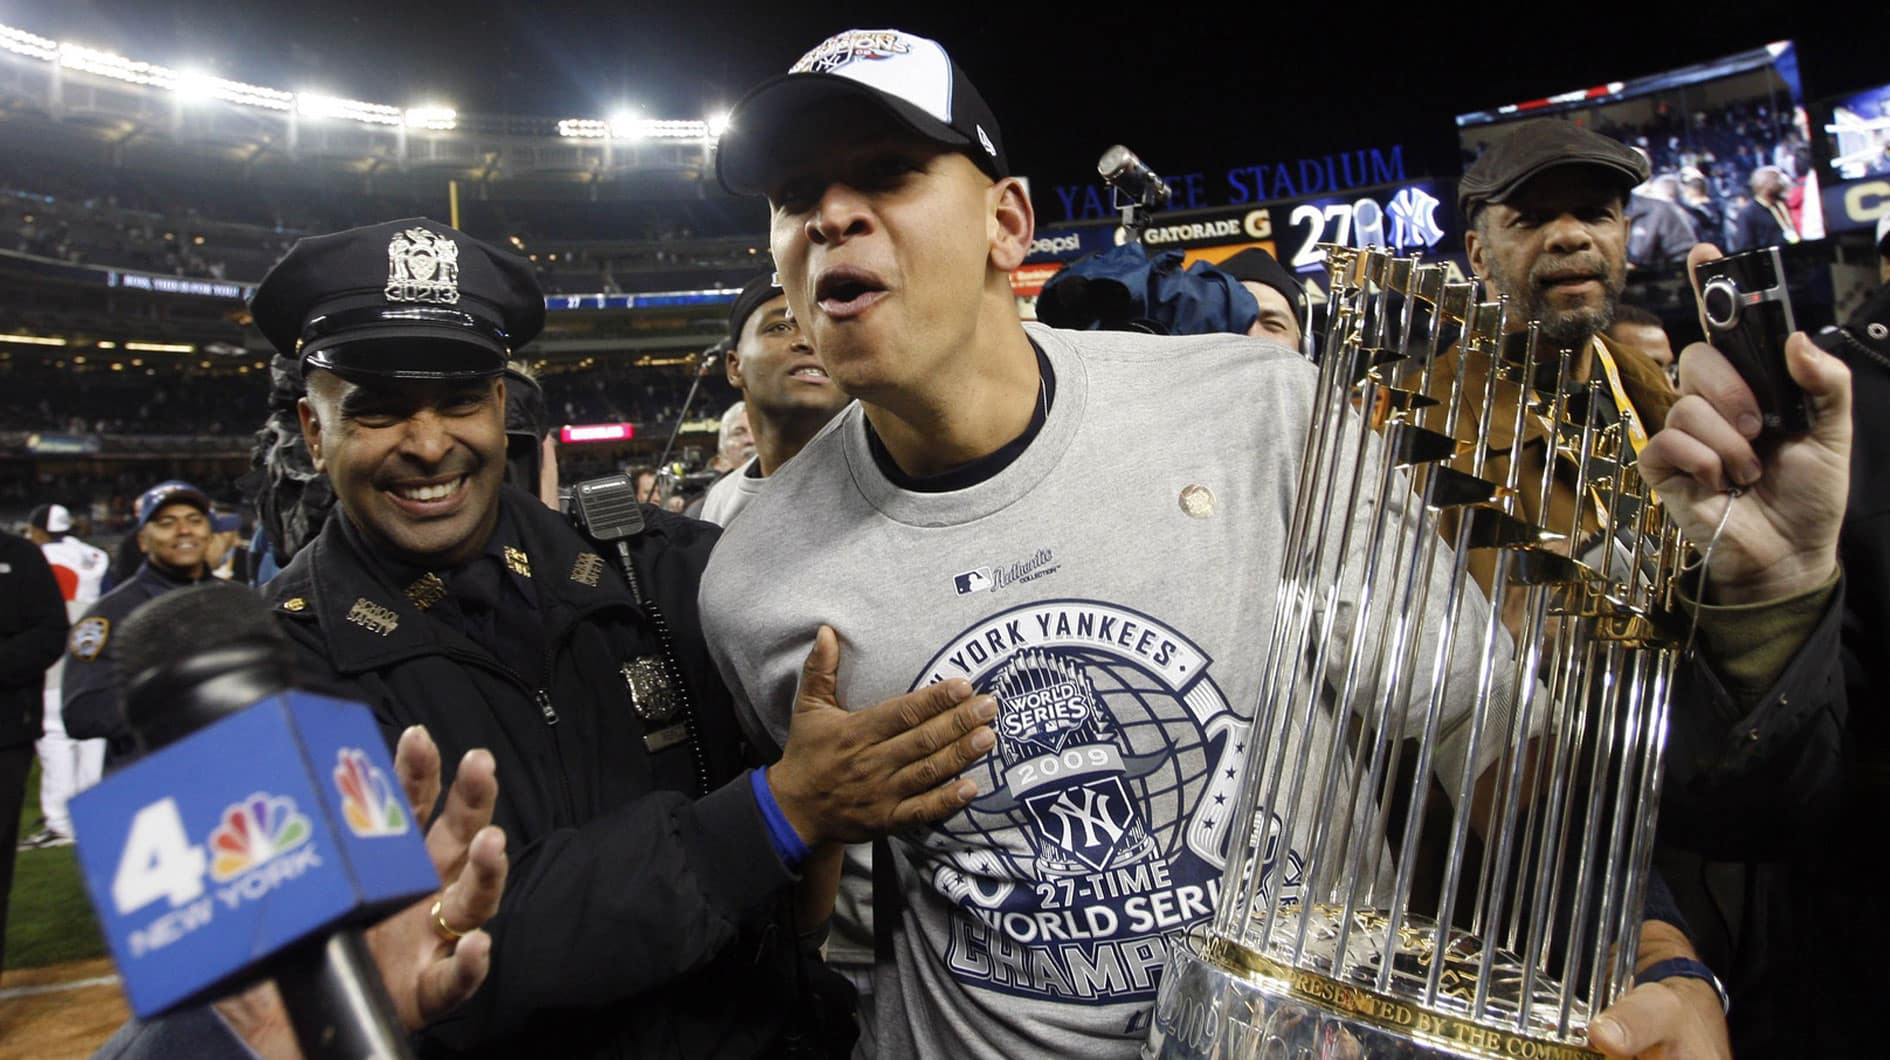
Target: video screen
1728, 143
1859, 134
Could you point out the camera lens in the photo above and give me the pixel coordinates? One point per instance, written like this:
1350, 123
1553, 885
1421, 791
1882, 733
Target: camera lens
1721, 299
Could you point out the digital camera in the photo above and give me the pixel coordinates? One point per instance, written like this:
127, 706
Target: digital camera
1748, 317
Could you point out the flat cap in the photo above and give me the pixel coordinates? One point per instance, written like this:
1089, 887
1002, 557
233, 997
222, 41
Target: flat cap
1543, 145
409, 299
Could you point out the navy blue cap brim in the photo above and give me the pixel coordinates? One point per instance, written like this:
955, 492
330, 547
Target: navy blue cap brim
779, 111
181, 495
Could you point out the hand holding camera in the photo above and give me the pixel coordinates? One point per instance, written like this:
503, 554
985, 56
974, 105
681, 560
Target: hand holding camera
1780, 537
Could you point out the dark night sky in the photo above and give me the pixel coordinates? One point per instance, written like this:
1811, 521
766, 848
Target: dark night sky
1189, 86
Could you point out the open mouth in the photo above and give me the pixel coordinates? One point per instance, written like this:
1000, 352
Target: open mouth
428, 498
810, 371
846, 292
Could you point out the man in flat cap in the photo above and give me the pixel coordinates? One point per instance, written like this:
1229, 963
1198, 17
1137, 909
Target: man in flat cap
1546, 207
784, 388
647, 912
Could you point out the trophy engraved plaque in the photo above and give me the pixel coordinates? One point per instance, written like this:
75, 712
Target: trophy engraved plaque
1477, 605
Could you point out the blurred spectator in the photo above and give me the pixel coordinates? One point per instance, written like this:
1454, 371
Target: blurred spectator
1659, 231
1636, 327
1764, 222
32, 634
1883, 248
1281, 299
66, 766
736, 443
1709, 219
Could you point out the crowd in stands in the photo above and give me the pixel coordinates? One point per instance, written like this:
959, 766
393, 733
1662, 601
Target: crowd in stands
231, 230
38, 395
1706, 161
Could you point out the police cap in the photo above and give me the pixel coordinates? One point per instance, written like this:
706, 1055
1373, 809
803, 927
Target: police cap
408, 299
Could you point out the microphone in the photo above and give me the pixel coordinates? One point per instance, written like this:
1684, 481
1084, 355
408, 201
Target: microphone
1123, 170
257, 834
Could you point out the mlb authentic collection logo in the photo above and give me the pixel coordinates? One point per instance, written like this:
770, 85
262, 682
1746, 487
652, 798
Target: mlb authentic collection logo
422, 266
1041, 564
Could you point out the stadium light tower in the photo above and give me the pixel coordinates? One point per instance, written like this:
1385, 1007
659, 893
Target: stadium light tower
625, 124
194, 86
718, 124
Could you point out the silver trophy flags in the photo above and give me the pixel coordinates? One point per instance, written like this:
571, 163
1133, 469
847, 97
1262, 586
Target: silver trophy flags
1447, 815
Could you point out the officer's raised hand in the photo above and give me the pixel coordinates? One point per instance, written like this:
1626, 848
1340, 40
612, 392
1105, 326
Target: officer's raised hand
847, 777
1781, 538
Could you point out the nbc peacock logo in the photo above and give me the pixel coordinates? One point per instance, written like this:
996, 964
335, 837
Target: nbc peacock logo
367, 799
254, 831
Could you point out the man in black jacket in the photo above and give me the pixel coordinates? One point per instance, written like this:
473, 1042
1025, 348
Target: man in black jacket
173, 535
649, 907
32, 631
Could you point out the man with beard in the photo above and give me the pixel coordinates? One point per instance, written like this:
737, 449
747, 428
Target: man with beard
1549, 232
784, 388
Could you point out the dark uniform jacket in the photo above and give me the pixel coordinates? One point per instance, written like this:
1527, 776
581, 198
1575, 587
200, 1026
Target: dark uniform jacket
94, 696
30, 635
638, 919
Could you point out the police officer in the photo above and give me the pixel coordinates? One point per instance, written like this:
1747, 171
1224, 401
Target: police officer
653, 872
173, 533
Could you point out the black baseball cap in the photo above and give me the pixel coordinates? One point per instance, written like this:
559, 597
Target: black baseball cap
1543, 145
753, 296
411, 299
1257, 266
910, 77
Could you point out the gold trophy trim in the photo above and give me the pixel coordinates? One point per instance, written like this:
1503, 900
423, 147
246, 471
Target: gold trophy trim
1385, 1011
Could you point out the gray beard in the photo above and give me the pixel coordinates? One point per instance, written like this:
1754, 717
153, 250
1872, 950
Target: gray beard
1569, 330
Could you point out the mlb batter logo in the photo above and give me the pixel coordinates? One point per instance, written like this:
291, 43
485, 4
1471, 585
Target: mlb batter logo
973, 581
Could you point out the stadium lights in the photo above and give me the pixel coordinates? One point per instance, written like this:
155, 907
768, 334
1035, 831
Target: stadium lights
314, 105
718, 124
34, 340
195, 85
20, 42
106, 344
157, 347
630, 127
438, 119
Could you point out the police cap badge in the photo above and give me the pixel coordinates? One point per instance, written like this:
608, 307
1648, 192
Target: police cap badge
409, 299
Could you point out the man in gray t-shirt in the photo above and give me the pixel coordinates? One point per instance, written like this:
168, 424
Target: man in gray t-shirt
1059, 518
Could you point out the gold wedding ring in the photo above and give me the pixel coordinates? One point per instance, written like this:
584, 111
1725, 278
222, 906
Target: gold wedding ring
440, 926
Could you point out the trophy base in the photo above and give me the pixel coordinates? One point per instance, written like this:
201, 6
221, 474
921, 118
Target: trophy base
1222, 1002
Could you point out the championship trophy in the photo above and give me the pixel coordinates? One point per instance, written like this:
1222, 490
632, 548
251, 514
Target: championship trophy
1384, 897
